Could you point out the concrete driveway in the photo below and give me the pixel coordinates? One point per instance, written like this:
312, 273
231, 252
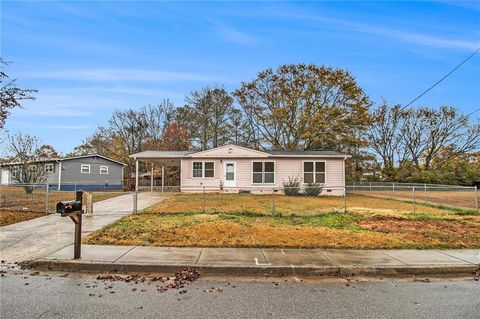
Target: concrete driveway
42, 236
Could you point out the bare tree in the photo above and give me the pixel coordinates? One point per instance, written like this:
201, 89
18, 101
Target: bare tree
28, 165
426, 132
157, 118
385, 139
11, 95
416, 138
210, 109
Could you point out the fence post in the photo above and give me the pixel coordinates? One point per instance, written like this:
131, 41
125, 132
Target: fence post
273, 201
135, 199
414, 208
370, 187
345, 199
47, 200
476, 198
90, 203
425, 191
393, 190
203, 201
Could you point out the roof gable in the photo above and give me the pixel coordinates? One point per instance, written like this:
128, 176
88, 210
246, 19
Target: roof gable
226, 151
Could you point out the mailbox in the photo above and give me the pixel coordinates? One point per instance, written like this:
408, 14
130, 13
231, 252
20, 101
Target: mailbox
68, 207
73, 209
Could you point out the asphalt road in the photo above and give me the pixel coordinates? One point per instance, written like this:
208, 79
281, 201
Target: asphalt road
83, 296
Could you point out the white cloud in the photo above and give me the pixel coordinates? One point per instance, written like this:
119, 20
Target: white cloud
389, 33
235, 36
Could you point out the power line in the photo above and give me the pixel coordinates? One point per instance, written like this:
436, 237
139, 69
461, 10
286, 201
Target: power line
473, 112
443, 78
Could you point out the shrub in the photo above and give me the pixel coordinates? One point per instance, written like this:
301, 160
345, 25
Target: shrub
291, 187
313, 189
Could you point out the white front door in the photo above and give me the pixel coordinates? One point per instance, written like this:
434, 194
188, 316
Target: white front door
229, 174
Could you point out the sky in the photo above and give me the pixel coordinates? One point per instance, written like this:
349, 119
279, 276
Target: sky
88, 59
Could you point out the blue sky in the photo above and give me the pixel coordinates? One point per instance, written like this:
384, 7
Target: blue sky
89, 58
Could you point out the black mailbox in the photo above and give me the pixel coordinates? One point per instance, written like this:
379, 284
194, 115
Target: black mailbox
68, 207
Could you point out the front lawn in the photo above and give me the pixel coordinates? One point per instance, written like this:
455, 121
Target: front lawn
232, 220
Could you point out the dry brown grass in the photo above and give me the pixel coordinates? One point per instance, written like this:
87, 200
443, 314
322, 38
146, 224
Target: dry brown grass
458, 198
369, 223
220, 230
8, 217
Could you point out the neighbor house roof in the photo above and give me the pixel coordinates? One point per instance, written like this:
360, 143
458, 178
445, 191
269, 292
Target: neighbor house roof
60, 159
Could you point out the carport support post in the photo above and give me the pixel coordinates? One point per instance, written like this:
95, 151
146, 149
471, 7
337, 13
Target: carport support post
151, 178
163, 177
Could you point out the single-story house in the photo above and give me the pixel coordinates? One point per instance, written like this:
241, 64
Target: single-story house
235, 168
87, 172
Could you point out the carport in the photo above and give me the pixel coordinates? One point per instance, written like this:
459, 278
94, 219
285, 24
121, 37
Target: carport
161, 159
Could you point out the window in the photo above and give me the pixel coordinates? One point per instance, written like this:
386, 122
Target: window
263, 172
197, 169
203, 169
103, 170
49, 168
230, 171
209, 169
85, 169
314, 172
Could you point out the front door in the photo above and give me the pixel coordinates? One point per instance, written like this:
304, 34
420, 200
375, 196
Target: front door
229, 175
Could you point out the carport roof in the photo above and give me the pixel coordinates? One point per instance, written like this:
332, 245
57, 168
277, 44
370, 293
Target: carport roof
161, 154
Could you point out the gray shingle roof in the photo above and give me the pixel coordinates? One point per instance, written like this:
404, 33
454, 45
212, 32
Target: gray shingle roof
156, 154
306, 153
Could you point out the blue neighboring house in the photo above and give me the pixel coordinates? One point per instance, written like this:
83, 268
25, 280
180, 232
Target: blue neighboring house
86, 172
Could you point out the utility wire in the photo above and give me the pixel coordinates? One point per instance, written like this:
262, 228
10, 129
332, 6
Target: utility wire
443, 78
473, 112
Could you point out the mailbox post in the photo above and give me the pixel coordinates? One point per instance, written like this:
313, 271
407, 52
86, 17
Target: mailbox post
73, 209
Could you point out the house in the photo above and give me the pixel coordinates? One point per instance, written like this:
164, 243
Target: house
87, 172
235, 168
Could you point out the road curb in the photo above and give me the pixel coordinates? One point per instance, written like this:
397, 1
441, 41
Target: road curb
338, 271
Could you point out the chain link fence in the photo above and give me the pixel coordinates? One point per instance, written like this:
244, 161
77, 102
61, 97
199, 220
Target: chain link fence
369, 198
44, 198
302, 200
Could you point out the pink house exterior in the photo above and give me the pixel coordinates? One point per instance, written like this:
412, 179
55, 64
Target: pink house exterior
232, 168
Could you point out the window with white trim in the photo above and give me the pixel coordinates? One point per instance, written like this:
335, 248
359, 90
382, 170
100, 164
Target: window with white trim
209, 169
314, 172
85, 169
49, 168
203, 169
197, 169
103, 170
263, 172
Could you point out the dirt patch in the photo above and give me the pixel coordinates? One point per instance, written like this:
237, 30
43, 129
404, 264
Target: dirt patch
437, 233
8, 217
